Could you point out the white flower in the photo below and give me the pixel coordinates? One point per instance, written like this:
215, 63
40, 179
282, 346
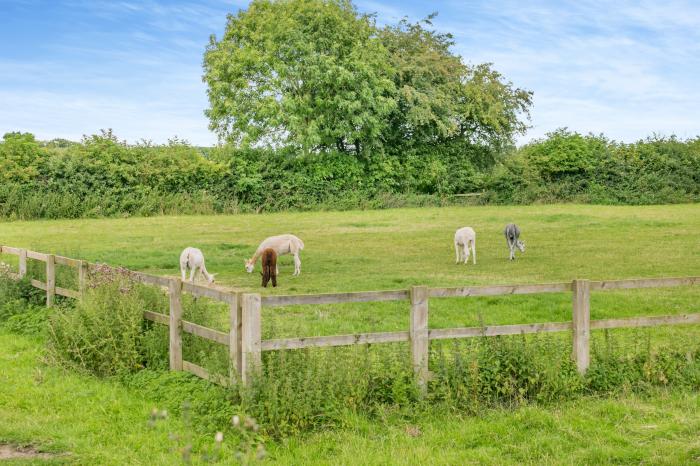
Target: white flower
236, 421
219, 437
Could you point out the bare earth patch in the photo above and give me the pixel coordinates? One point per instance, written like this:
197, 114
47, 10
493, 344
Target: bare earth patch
11, 452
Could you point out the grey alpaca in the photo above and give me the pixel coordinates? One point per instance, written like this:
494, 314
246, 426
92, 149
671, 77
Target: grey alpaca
512, 233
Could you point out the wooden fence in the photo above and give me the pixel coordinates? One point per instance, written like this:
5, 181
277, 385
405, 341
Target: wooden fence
246, 345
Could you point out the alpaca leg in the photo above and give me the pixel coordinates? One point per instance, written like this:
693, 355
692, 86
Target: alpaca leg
458, 254
183, 272
465, 252
192, 271
474, 251
297, 264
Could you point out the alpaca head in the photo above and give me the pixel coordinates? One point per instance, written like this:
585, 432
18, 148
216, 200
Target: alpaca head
249, 265
210, 278
520, 246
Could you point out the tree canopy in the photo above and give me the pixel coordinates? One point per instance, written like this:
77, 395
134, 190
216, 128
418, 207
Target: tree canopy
318, 75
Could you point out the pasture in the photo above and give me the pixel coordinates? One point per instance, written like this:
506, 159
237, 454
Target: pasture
394, 249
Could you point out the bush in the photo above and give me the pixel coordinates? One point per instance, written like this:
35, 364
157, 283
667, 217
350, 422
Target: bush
22, 308
103, 334
311, 389
502, 371
567, 166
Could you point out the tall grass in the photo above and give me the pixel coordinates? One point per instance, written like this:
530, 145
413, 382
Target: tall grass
306, 390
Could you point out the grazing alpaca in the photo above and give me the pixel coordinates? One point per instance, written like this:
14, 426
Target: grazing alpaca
465, 238
269, 266
282, 244
193, 259
512, 233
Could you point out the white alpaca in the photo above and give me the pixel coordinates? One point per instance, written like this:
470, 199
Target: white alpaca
282, 244
193, 259
465, 238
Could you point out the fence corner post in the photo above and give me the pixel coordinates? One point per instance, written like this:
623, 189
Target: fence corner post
235, 338
418, 334
50, 279
251, 351
22, 263
175, 350
581, 320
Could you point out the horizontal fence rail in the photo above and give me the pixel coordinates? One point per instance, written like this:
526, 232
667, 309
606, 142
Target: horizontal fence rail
636, 283
244, 338
493, 330
334, 298
499, 290
333, 340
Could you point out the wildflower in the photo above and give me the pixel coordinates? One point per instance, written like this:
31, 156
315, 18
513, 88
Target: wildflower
249, 423
219, 437
261, 452
236, 421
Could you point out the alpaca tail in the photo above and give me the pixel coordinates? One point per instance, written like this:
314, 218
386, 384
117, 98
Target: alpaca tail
301, 245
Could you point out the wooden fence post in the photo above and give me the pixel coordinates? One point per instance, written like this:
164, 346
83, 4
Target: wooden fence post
82, 277
251, 356
419, 335
174, 292
50, 279
235, 338
581, 324
22, 263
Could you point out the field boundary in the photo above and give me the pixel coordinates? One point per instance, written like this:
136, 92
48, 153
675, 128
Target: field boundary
245, 343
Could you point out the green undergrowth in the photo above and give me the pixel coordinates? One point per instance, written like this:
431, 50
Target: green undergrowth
313, 389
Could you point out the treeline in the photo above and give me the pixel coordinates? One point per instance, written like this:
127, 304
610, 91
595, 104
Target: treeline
102, 176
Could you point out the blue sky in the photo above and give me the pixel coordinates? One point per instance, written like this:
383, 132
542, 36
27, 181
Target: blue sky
627, 69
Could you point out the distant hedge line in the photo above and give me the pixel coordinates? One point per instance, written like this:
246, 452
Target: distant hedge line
101, 176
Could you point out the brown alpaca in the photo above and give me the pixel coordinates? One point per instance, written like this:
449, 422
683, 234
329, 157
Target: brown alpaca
269, 266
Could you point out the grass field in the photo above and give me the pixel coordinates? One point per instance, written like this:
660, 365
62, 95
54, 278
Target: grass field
394, 249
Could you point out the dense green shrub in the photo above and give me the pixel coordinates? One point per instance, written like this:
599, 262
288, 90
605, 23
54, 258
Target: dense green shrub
102, 176
103, 333
567, 166
22, 308
311, 389
503, 370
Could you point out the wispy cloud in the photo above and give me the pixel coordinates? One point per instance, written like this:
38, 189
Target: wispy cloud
626, 69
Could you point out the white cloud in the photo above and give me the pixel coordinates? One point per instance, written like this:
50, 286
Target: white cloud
626, 69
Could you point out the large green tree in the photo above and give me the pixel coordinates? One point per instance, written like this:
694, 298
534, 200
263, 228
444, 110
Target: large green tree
441, 99
317, 75
306, 73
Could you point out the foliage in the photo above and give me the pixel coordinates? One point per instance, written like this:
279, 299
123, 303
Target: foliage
567, 166
102, 176
316, 75
440, 99
503, 371
102, 334
304, 390
299, 73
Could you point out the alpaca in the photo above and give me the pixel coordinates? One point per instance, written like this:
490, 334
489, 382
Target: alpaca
282, 244
193, 259
269, 266
465, 238
512, 233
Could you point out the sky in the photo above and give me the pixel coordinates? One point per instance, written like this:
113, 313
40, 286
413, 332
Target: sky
627, 69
